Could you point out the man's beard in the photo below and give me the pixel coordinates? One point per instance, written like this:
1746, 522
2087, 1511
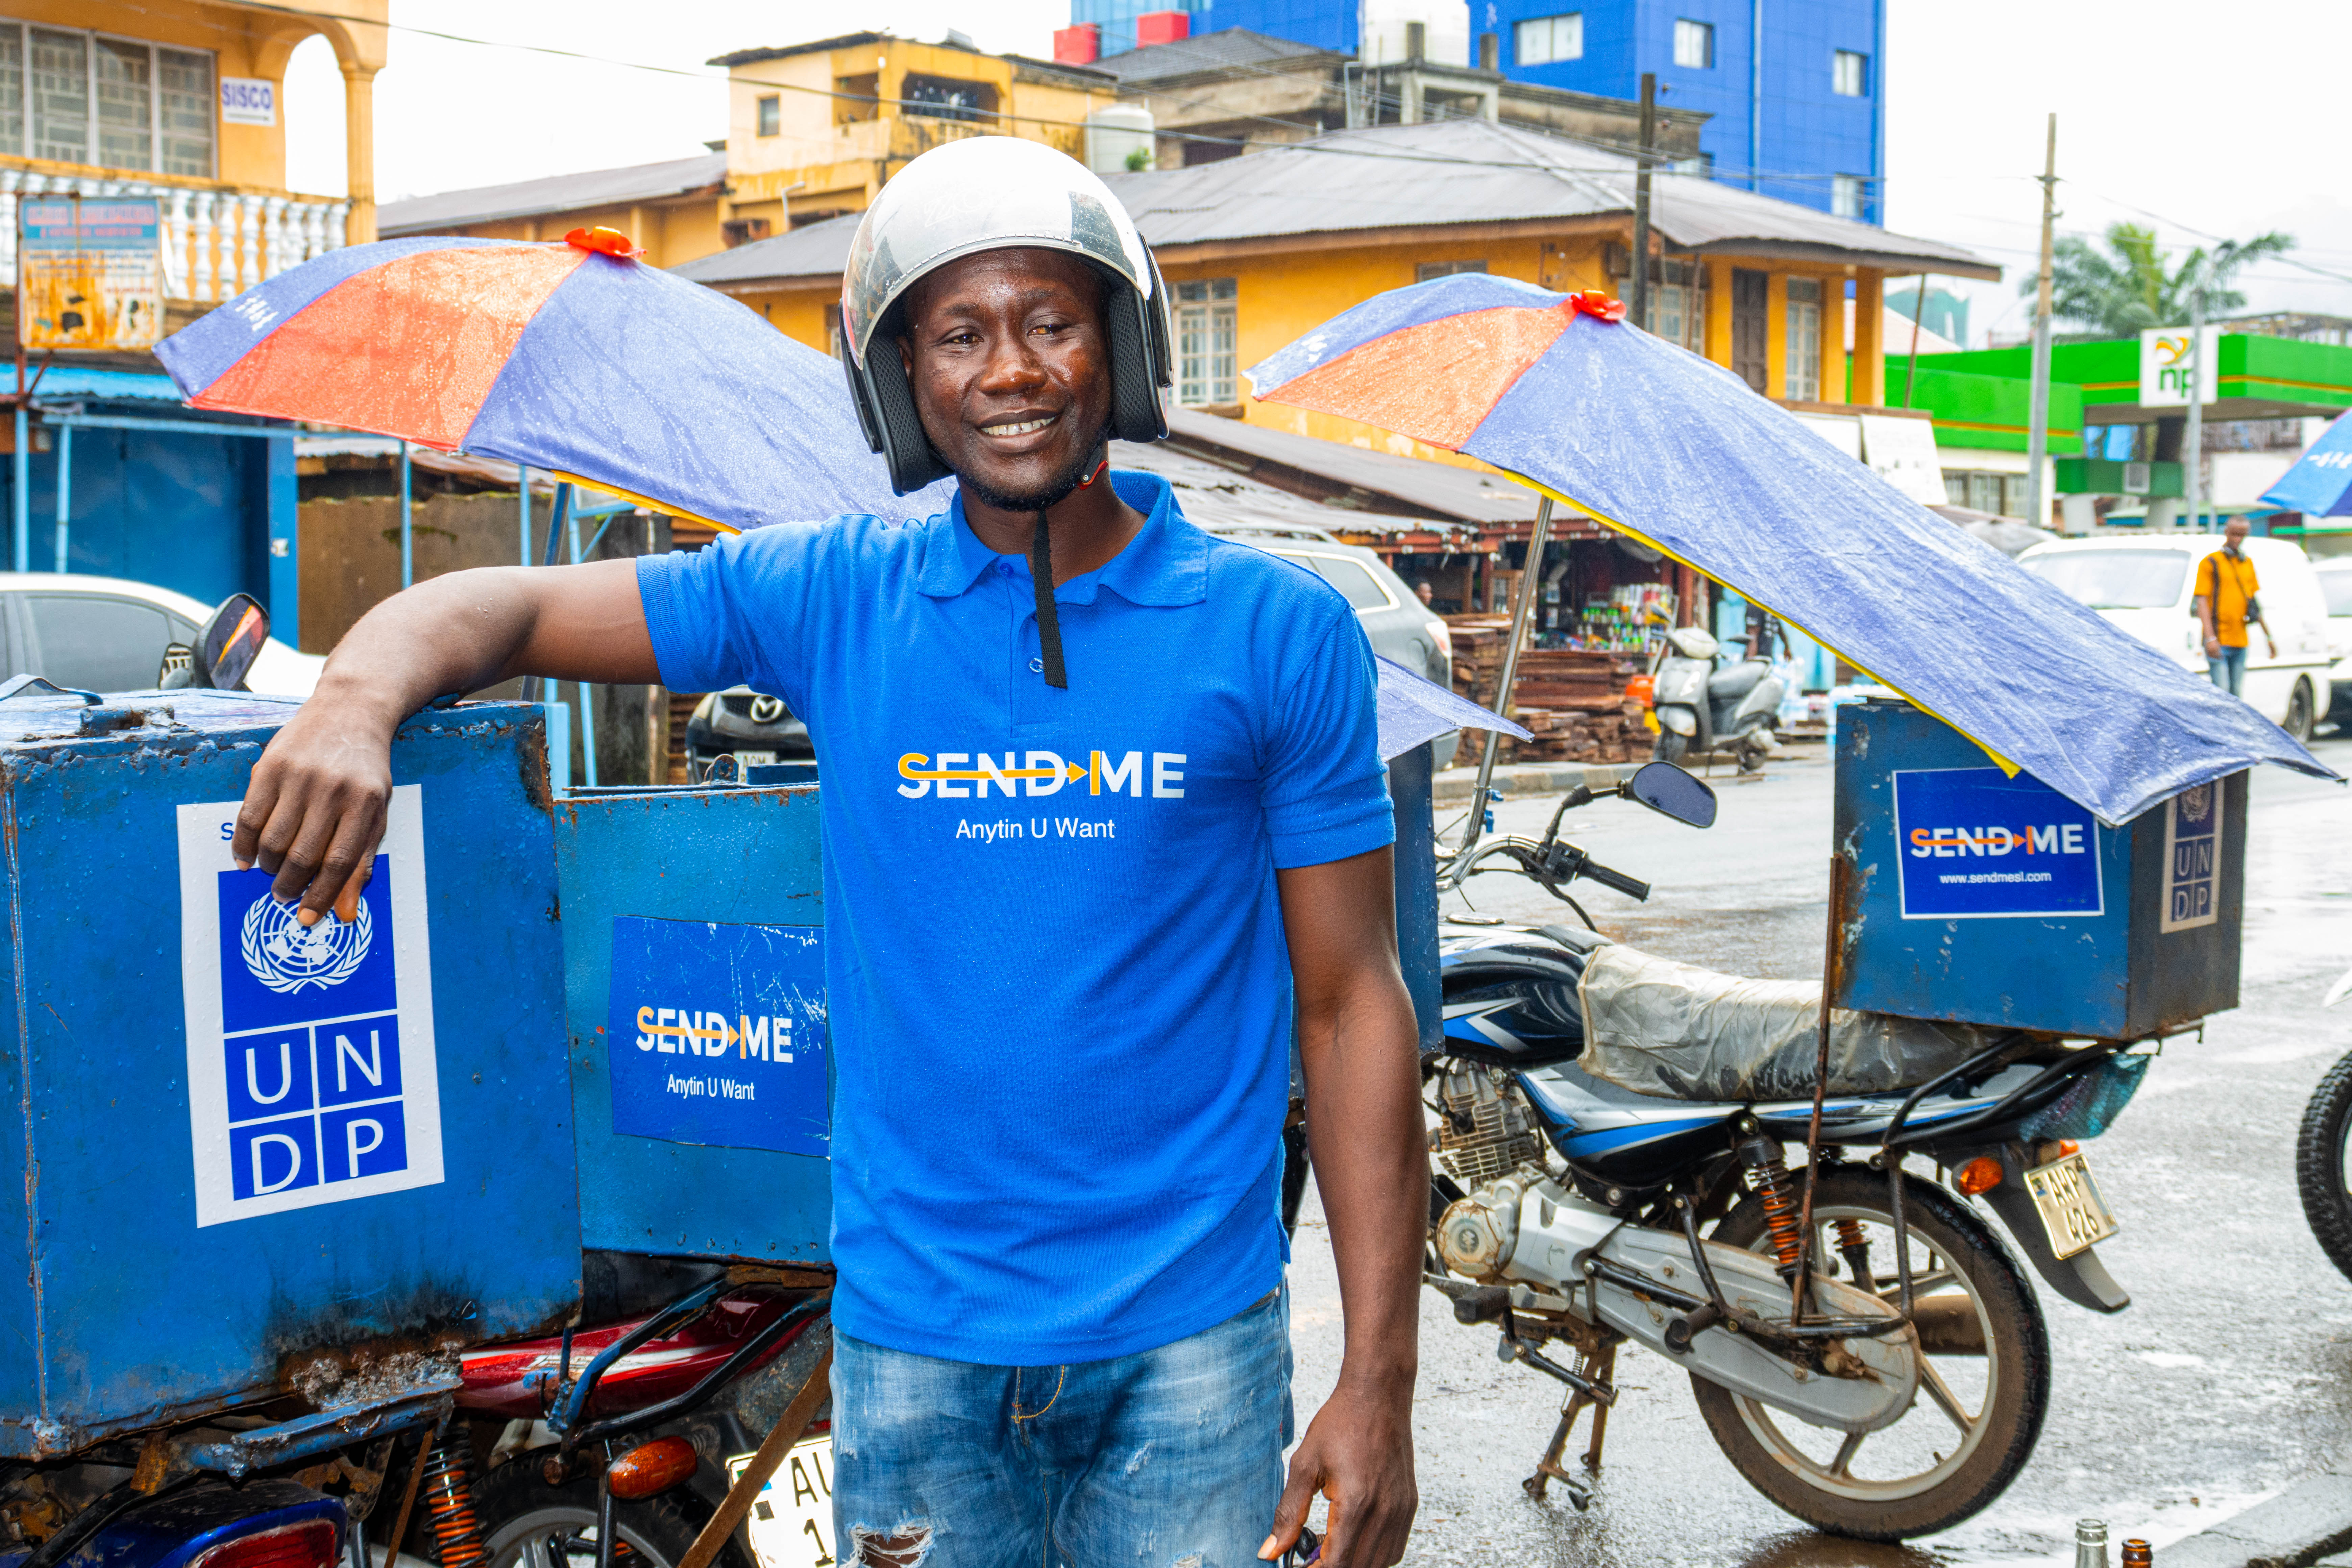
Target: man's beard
1047, 496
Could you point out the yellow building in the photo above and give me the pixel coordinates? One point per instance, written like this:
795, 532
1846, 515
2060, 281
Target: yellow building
1262, 249
812, 131
183, 100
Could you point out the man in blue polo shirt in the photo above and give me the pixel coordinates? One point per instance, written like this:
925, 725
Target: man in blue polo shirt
1101, 797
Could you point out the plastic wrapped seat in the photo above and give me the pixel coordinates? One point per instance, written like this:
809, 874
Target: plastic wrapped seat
1680, 1032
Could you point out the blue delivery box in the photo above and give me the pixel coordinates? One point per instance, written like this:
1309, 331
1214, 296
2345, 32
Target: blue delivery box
250, 1148
694, 960
1983, 896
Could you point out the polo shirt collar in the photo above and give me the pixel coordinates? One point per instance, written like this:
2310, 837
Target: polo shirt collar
1166, 563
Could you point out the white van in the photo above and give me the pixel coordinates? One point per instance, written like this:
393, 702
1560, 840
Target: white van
2146, 586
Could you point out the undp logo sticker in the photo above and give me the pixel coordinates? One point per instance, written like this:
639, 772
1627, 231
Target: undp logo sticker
311, 1063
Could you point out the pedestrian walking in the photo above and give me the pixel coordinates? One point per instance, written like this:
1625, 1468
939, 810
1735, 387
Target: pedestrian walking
1062, 1017
2225, 603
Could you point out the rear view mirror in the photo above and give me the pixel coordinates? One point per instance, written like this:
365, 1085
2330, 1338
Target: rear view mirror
1667, 789
229, 643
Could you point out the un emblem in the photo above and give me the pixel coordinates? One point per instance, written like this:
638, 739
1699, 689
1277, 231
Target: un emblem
286, 956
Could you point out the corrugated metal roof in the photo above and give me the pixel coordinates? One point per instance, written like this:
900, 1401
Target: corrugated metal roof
812, 250
1465, 494
1215, 497
63, 381
558, 192
1456, 171
1473, 171
1210, 51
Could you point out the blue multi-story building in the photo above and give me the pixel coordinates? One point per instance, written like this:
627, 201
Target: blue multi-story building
1803, 119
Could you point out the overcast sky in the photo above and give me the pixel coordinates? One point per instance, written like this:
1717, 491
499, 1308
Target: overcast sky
2199, 122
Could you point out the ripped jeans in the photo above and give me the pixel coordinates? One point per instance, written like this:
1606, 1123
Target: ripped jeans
1170, 1459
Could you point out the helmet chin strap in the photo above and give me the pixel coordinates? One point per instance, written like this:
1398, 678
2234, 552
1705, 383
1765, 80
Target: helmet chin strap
1041, 574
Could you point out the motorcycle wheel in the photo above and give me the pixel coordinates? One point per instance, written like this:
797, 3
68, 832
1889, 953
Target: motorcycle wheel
1672, 747
2322, 1176
1960, 1446
529, 1524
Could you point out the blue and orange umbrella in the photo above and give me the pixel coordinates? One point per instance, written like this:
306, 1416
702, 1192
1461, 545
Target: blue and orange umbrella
575, 358
1670, 450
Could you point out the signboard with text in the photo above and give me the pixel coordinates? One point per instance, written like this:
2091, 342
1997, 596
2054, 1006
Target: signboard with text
1976, 843
2168, 361
89, 273
717, 1033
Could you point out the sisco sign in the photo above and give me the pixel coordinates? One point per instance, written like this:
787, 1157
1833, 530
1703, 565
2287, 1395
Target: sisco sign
311, 1061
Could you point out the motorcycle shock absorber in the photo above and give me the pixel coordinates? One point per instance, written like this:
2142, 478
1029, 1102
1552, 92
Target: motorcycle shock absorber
1778, 1192
1855, 1246
449, 1512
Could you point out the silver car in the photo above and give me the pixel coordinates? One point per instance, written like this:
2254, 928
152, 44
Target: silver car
1397, 624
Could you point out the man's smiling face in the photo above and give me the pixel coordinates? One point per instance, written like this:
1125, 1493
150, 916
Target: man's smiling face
1011, 369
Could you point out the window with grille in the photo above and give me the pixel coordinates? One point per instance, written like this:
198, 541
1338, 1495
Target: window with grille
1694, 44
1425, 270
1845, 196
1540, 41
1849, 74
1802, 349
1205, 341
116, 103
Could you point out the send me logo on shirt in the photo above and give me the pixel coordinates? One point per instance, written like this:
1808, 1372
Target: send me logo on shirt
970, 774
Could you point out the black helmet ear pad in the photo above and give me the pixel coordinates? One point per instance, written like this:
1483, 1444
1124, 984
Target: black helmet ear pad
886, 408
1138, 356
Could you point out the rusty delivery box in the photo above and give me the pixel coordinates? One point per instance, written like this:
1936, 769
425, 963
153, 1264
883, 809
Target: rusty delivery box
1984, 897
694, 964
238, 1142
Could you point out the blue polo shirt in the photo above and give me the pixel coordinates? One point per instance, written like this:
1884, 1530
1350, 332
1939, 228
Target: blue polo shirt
1058, 988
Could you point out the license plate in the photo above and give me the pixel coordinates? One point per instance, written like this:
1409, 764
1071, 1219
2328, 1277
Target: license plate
791, 1522
756, 759
2074, 1216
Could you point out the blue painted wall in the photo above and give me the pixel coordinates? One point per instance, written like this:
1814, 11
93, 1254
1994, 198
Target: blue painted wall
1809, 132
189, 512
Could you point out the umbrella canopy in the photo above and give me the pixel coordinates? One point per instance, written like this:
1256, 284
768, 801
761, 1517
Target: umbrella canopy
2320, 483
567, 357
1660, 443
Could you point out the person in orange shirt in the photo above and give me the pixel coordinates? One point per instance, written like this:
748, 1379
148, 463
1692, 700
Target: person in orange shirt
2225, 602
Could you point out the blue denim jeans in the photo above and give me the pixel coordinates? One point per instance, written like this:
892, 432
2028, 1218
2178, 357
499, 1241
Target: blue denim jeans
2229, 670
1170, 1459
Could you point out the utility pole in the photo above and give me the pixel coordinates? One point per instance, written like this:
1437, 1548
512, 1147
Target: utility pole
2037, 439
1639, 295
2192, 445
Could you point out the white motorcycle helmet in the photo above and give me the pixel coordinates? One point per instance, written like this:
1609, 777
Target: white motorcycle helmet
994, 192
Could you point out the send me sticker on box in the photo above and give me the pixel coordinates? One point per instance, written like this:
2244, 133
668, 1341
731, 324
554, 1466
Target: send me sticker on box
717, 1033
1975, 844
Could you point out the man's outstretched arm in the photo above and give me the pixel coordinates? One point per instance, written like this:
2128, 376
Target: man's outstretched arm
314, 811
1358, 1044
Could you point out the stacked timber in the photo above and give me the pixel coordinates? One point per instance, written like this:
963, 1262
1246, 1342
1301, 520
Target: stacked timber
1572, 700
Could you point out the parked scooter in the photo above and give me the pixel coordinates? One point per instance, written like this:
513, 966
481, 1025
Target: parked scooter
1704, 708
1609, 1137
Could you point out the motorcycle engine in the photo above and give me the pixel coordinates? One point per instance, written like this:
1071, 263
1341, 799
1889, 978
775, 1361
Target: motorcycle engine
1486, 1129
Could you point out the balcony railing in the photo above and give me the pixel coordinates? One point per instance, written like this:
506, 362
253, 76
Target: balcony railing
218, 240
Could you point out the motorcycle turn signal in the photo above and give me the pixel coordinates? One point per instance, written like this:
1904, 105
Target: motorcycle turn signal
651, 1467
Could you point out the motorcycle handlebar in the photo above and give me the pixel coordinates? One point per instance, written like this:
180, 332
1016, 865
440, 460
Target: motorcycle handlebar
1632, 887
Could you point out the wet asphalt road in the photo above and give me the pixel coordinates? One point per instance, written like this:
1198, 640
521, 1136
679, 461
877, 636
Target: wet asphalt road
2229, 1377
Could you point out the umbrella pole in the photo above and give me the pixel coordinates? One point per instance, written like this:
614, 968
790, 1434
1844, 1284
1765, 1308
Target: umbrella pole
1522, 613
407, 555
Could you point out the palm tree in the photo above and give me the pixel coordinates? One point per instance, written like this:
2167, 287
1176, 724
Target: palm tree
2125, 289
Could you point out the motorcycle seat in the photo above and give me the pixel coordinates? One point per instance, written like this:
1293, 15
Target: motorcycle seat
1737, 681
1679, 1032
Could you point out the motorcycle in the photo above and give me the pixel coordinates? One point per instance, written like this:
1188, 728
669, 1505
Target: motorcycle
2323, 1154
1701, 707
1862, 1345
